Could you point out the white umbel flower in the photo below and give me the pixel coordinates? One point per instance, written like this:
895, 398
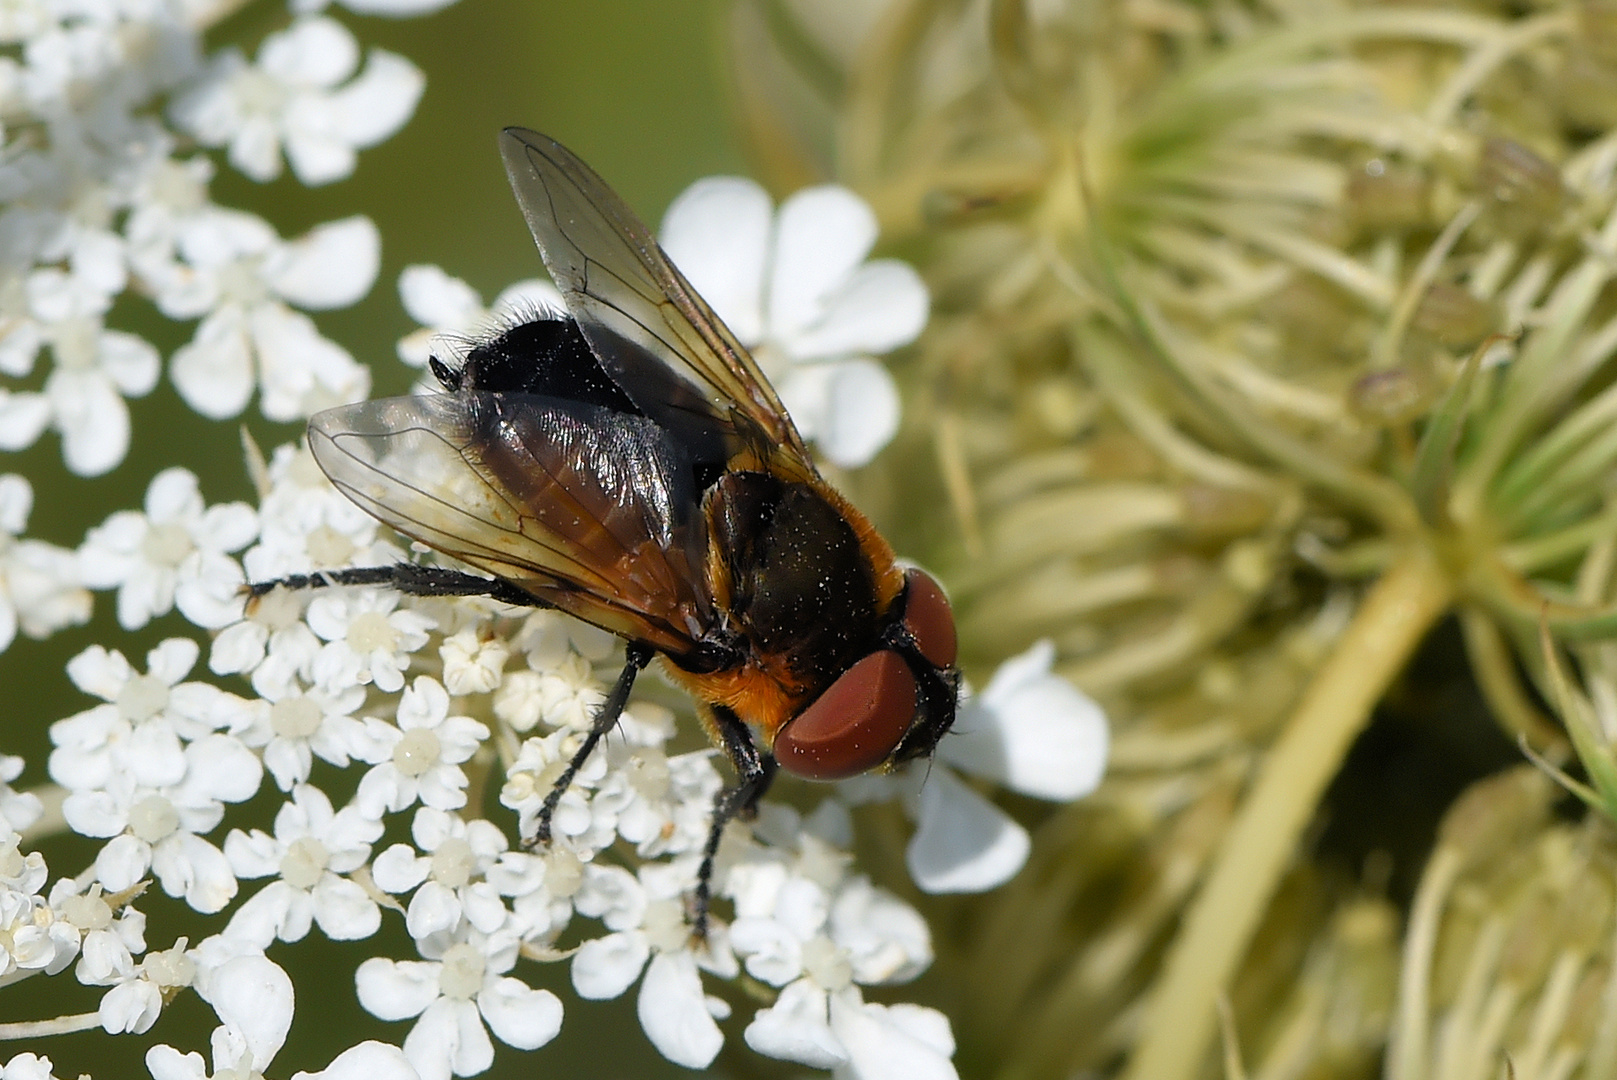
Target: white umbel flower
175, 552
454, 994
313, 847
301, 95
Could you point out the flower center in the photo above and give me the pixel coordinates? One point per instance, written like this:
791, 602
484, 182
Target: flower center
153, 818
824, 963
416, 752
648, 775
170, 967
240, 282
452, 863
371, 632
258, 92
88, 912
176, 187
564, 872
664, 925
462, 974
295, 717
12, 862
142, 698
304, 863
166, 544
278, 609
328, 547
74, 343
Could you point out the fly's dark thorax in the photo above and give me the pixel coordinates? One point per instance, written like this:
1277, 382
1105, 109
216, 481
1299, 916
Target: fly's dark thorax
801, 590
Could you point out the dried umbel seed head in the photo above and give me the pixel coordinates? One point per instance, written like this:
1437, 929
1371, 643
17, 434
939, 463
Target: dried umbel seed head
1384, 195
1525, 192
1455, 317
1597, 32
1392, 396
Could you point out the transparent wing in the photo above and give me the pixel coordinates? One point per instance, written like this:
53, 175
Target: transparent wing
588, 510
652, 332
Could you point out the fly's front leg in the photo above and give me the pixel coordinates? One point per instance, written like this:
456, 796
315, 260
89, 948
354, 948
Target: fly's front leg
636, 657
409, 578
755, 771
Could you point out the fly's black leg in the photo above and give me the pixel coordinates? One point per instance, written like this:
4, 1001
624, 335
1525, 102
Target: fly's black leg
407, 578
755, 771
636, 657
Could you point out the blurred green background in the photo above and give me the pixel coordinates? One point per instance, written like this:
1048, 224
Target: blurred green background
637, 90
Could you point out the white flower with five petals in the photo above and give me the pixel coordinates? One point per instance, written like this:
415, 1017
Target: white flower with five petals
448, 878
233, 271
174, 553
161, 828
313, 847
455, 992
422, 756
301, 95
650, 935
140, 731
795, 288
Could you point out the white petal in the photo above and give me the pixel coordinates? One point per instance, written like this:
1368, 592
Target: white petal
167, 1063
131, 362
881, 307
370, 1060
449, 1037
860, 413
605, 967
797, 1028
377, 104
1031, 731
344, 911
519, 1015
301, 369
331, 266
23, 417
436, 300
123, 861
214, 371
433, 908
130, 1007
673, 1011
187, 865
398, 870
717, 233
311, 52
904, 1042
396, 990
316, 157
822, 236
964, 843
93, 420
253, 995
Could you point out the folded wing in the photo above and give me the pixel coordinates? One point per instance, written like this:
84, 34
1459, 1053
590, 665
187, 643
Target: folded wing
588, 510
653, 333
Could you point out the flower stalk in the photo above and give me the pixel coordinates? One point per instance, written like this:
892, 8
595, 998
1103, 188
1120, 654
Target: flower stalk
1393, 617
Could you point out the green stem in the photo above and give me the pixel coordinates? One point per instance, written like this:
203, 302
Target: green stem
1180, 1023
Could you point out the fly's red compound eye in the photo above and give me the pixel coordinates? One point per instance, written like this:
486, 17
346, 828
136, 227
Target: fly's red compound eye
929, 619
855, 725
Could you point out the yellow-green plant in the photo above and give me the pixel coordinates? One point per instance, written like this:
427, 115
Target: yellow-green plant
1268, 335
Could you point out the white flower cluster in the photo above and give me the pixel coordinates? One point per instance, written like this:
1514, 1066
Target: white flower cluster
419, 711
